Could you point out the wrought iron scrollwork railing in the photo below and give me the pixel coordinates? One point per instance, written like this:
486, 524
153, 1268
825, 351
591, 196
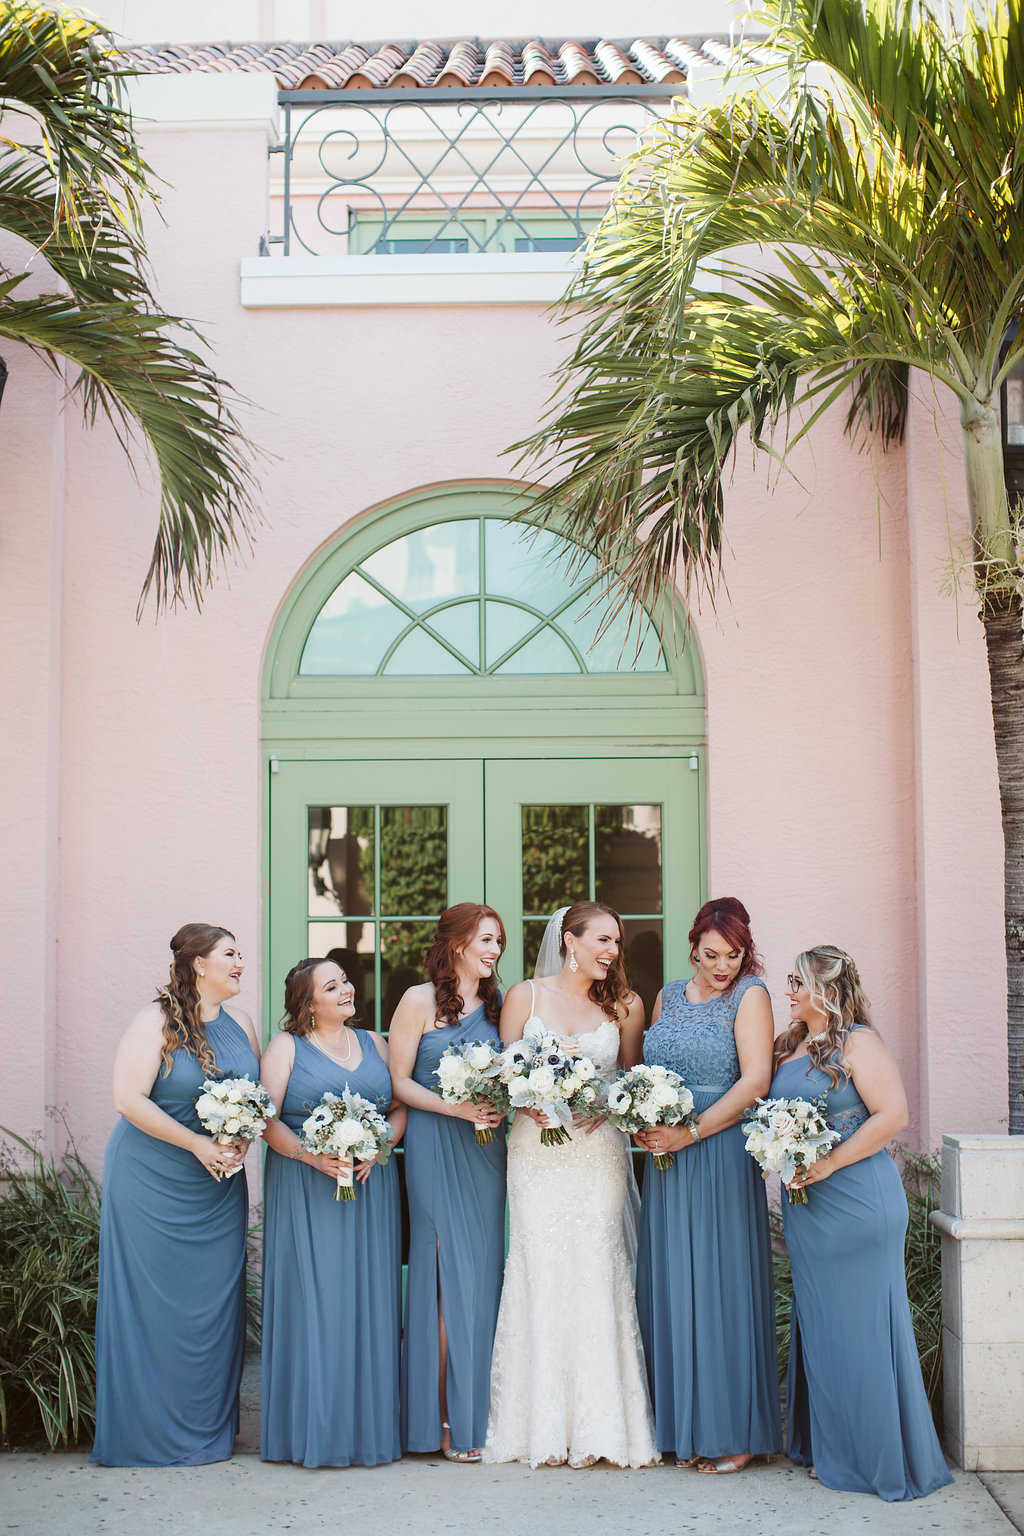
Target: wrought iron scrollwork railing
431, 171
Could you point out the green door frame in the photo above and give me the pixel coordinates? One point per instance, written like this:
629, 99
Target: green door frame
402, 721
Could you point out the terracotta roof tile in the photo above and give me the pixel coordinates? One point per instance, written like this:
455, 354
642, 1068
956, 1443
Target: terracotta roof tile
580, 68
420, 68
499, 66
462, 65
539, 66
654, 64
457, 64
616, 65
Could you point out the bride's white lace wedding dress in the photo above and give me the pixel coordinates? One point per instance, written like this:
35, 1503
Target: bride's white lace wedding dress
567, 1375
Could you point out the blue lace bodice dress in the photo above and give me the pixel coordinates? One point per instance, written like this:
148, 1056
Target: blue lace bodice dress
331, 1288
857, 1406
704, 1271
456, 1192
170, 1319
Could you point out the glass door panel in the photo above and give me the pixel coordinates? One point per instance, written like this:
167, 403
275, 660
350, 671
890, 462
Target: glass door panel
363, 859
564, 830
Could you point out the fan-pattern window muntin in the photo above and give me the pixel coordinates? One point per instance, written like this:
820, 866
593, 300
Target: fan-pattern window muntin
478, 596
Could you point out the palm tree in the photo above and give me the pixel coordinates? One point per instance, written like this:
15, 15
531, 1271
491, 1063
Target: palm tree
877, 165
72, 185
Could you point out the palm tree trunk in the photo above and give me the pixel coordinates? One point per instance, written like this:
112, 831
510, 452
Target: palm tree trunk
1002, 618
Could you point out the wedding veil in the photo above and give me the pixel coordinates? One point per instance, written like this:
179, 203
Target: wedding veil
549, 956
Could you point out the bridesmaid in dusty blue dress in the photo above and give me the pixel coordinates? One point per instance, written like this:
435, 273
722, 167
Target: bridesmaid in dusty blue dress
858, 1413
331, 1269
170, 1320
704, 1275
456, 1191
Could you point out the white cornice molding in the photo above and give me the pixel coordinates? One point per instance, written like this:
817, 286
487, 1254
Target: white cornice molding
205, 102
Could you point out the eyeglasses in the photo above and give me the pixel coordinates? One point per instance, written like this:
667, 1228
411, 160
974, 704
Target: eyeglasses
794, 983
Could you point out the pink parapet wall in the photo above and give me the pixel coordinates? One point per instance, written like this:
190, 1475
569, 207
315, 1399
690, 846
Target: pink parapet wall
851, 778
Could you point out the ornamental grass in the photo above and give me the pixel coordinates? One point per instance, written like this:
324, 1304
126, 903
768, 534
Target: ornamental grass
49, 1264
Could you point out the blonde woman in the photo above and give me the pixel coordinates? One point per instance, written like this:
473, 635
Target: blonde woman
858, 1414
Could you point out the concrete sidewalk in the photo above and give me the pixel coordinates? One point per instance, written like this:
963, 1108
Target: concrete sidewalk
62, 1495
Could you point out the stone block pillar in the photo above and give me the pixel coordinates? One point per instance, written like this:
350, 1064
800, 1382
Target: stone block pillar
982, 1226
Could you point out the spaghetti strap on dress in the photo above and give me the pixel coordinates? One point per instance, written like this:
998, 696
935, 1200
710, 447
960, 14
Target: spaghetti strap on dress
567, 1380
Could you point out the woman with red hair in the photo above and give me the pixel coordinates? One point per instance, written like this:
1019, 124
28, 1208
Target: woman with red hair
456, 1191
704, 1274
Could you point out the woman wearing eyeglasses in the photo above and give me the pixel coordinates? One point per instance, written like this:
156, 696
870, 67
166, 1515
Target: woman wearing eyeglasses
858, 1413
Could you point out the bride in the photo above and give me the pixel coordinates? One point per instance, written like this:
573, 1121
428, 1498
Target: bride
567, 1376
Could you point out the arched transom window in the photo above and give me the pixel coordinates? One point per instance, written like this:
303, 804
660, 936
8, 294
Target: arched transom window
478, 596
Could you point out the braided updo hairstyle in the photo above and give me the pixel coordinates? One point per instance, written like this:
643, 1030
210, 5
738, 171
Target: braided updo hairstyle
179, 1000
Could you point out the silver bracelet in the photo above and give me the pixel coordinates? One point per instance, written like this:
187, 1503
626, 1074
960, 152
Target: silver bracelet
694, 1132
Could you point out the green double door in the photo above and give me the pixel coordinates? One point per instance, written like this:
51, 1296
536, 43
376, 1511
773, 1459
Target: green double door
364, 856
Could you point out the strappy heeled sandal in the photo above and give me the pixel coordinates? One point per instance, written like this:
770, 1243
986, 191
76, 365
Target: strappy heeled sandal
463, 1456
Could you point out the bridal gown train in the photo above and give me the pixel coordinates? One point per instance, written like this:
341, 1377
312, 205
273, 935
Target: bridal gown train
567, 1375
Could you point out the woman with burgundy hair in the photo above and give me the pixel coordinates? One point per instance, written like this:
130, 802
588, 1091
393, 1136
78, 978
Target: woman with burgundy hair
704, 1274
456, 1190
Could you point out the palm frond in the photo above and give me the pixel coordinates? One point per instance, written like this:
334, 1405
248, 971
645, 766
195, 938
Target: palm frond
861, 206
75, 197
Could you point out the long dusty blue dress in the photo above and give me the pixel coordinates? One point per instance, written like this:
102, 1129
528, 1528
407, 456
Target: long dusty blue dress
704, 1273
331, 1289
170, 1320
456, 1192
857, 1406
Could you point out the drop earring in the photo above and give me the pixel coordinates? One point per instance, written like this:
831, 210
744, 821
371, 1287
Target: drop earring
574, 964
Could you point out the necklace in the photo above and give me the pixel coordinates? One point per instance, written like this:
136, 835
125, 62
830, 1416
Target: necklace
321, 1045
810, 1039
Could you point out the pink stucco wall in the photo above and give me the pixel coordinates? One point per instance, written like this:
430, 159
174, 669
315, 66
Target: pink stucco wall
852, 787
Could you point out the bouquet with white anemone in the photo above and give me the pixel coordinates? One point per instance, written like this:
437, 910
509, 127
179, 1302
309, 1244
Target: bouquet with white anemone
348, 1126
785, 1135
468, 1073
234, 1109
642, 1096
544, 1073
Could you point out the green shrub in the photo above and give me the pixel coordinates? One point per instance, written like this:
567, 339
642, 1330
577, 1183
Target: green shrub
923, 1255
49, 1265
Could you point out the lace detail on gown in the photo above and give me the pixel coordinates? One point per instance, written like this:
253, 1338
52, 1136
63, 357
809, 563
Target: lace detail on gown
567, 1378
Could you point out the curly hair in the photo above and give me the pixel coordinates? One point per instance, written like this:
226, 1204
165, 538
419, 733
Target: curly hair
179, 1000
831, 978
456, 928
729, 917
613, 992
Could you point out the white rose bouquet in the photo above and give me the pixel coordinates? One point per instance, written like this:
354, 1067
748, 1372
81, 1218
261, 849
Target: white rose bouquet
543, 1073
234, 1109
468, 1073
348, 1126
784, 1135
642, 1096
